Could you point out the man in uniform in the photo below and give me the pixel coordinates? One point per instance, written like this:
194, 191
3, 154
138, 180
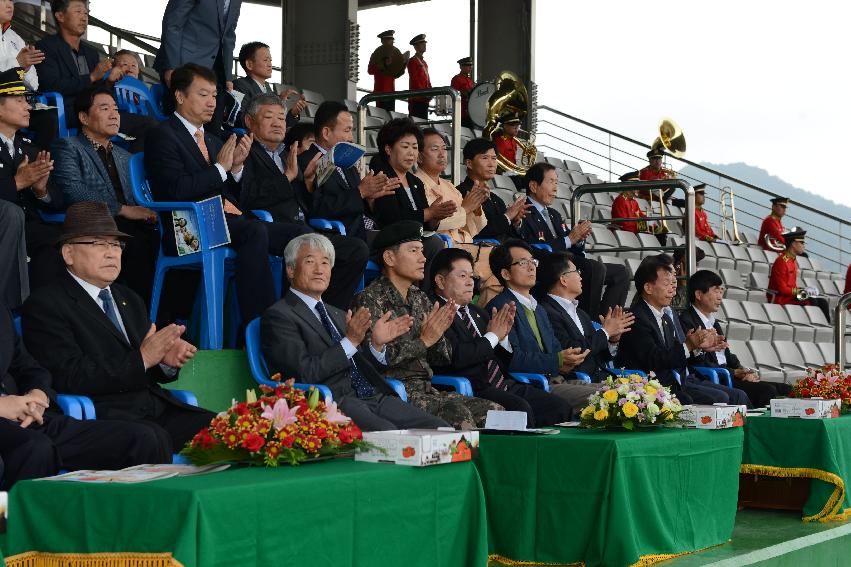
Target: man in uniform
463, 83
702, 228
771, 232
506, 144
418, 78
654, 172
783, 282
626, 206
410, 357
381, 67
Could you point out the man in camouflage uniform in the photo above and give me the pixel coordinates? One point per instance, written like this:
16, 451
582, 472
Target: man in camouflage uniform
409, 357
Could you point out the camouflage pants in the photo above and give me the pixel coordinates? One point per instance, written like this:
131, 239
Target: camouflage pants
461, 412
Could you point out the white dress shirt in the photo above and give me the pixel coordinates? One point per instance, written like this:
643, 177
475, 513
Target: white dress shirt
528, 302
570, 306
490, 336
93, 292
10, 45
192, 129
548, 220
709, 323
658, 314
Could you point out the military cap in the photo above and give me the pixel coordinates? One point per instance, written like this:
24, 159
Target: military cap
796, 234
465, 61
418, 38
397, 233
12, 83
631, 176
510, 119
780, 201
700, 188
386, 34
655, 152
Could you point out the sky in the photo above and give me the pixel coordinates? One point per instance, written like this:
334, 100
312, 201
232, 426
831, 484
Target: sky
752, 81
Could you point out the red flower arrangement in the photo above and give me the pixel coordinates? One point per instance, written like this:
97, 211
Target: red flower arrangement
827, 382
283, 425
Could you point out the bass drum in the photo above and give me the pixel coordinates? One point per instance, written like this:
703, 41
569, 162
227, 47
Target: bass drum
478, 102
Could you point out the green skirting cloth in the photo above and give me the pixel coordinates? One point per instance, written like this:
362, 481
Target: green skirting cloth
609, 498
819, 449
325, 514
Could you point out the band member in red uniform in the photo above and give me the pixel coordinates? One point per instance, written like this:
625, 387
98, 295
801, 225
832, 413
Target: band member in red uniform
384, 66
702, 228
783, 283
505, 142
625, 206
463, 83
418, 78
771, 232
654, 172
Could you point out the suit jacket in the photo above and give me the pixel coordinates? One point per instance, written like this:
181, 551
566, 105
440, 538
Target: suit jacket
643, 348
534, 230
198, 32
396, 207
338, 199
494, 208
263, 186
471, 354
81, 176
568, 336
59, 72
19, 372
691, 320
296, 344
250, 88
25, 199
71, 336
528, 356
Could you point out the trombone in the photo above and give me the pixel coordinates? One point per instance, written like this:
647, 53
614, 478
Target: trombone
728, 213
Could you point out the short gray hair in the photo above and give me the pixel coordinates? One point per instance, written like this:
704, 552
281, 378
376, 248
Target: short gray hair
311, 240
266, 99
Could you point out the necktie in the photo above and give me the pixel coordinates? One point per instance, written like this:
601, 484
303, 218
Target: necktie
109, 308
675, 326
360, 385
545, 214
495, 376
10, 145
202, 145
226, 6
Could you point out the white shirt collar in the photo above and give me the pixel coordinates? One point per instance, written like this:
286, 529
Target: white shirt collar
656, 313
259, 84
708, 322
569, 305
322, 150
89, 288
309, 301
528, 302
189, 126
540, 208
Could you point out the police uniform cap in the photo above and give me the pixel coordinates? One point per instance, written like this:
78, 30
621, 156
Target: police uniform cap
465, 61
418, 38
631, 176
510, 119
700, 188
12, 83
397, 233
655, 152
780, 201
386, 34
794, 235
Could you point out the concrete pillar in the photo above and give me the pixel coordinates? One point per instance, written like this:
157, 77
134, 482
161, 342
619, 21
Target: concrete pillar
320, 46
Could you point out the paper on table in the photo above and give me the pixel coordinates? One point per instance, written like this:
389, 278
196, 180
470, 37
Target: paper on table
179, 470
506, 420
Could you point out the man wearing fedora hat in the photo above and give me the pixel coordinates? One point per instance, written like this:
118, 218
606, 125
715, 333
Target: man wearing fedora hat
95, 338
463, 83
23, 182
418, 78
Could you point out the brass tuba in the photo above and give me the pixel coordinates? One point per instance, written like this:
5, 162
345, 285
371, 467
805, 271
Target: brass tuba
671, 140
510, 98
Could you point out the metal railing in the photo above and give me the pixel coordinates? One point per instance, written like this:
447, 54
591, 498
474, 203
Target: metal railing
840, 316
689, 247
455, 142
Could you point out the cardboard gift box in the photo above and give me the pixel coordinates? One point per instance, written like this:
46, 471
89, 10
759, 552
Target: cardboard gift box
716, 416
419, 447
806, 408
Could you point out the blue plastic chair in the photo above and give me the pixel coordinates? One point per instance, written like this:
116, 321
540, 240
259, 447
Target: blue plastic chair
57, 100
492, 241
536, 379
157, 91
714, 374
459, 383
325, 224
446, 238
213, 262
583, 376
134, 97
52, 218
542, 246
371, 272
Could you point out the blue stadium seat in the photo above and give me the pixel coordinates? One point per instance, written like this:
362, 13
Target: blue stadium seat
57, 100
537, 379
460, 384
542, 246
134, 97
715, 374
157, 91
52, 218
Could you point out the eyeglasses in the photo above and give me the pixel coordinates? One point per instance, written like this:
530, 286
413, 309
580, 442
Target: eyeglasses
102, 244
573, 271
525, 262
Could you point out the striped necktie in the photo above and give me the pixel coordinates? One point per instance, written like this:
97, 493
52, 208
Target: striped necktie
495, 377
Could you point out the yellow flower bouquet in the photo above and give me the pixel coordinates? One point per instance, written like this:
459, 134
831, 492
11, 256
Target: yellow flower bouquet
631, 402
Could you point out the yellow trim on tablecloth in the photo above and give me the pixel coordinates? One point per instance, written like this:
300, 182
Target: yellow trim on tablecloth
40, 559
831, 510
643, 561
512, 562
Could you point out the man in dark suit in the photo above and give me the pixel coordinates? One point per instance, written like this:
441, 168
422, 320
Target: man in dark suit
559, 284
24, 173
545, 225
344, 195
185, 163
255, 58
657, 342
269, 183
37, 440
203, 33
318, 343
95, 337
70, 66
90, 168
481, 351
533, 342
705, 291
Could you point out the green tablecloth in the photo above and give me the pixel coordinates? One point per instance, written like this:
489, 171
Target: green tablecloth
609, 498
819, 449
324, 514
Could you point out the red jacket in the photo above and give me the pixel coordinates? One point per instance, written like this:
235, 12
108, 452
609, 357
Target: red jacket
623, 208
648, 174
702, 228
418, 77
771, 226
506, 147
463, 84
848, 281
784, 280
383, 83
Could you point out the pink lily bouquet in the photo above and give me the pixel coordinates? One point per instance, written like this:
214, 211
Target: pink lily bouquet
631, 402
283, 425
